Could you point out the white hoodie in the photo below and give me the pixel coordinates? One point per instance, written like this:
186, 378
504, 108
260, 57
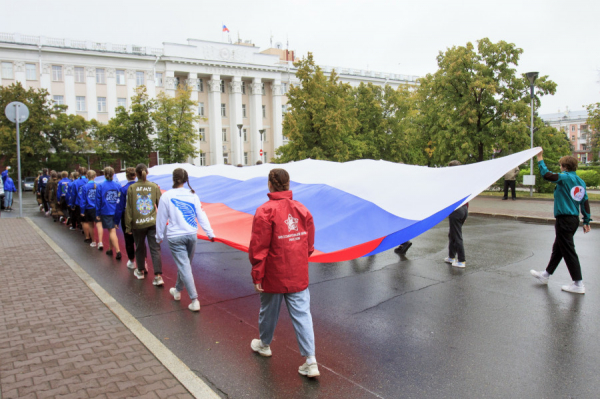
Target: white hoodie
180, 208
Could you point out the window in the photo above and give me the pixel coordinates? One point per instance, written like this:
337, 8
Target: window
7, 70
59, 100
100, 76
264, 110
222, 86
122, 102
284, 88
262, 88
79, 75
224, 134
80, 101
200, 85
176, 82
573, 138
583, 147
225, 158
245, 158
245, 134
201, 134
57, 73
243, 110
101, 104
265, 157
243, 87
158, 78
224, 110
573, 128
201, 109
139, 78
30, 72
123, 164
120, 76
202, 159
283, 109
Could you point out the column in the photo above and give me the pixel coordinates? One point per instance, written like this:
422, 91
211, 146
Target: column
111, 92
277, 121
170, 83
70, 100
150, 84
130, 77
215, 124
255, 120
20, 75
91, 100
235, 118
192, 84
45, 78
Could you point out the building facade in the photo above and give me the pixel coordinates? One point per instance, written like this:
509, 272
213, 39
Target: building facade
240, 90
574, 125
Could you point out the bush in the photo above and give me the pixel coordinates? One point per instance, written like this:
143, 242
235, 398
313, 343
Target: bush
590, 177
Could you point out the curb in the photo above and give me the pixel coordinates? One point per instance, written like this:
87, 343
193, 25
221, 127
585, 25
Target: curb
193, 383
531, 219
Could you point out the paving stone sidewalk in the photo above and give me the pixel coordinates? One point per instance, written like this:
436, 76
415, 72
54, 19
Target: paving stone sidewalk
57, 339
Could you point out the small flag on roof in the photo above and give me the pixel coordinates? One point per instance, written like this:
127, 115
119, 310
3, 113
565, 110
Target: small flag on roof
225, 29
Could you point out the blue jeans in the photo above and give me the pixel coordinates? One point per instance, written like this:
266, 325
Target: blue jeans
182, 249
298, 304
8, 199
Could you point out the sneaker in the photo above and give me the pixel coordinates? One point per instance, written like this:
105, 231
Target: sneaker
138, 274
449, 260
60, 219
539, 276
109, 252
48, 213
87, 240
93, 244
258, 347
118, 257
130, 265
158, 281
101, 246
402, 249
575, 289
176, 294
456, 263
309, 370
194, 306
72, 228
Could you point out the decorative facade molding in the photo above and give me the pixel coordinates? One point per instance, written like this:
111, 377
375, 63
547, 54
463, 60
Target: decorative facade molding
192, 83
170, 83
19, 66
130, 73
69, 69
46, 68
214, 85
256, 88
111, 72
90, 72
149, 76
235, 87
276, 90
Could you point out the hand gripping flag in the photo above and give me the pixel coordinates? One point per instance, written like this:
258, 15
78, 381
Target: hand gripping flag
360, 208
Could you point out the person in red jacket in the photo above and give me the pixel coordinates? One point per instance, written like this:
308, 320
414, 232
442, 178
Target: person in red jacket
283, 236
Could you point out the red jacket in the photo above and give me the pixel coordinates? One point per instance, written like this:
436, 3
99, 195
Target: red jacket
283, 237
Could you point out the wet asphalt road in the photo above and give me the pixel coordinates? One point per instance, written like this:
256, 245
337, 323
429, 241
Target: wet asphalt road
386, 326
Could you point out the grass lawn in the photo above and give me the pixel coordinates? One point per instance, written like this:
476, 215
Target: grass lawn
522, 194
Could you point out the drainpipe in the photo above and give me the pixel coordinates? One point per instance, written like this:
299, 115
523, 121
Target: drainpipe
154, 67
40, 52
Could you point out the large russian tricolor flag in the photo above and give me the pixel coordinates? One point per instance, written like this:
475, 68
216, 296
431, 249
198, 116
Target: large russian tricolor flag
360, 208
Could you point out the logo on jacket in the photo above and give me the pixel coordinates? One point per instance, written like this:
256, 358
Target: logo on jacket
91, 194
577, 193
188, 210
112, 196
292, 223
144, 204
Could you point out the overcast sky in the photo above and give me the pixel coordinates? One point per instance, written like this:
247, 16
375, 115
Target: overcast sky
559, 38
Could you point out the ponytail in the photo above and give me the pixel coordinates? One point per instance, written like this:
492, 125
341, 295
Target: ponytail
180, 176
141, 171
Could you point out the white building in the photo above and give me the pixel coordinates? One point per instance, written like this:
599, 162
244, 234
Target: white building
234, 84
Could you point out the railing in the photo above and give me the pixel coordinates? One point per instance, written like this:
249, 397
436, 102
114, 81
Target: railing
370, 74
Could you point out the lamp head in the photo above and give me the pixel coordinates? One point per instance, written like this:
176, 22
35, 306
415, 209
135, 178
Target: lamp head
532, 76
240, 126
262, 131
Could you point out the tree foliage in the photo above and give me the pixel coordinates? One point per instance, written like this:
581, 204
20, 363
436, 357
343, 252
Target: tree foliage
593, 122
68, 136
174, 119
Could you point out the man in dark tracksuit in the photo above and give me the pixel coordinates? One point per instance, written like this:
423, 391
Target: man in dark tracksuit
42, 181
456, 249
570, 197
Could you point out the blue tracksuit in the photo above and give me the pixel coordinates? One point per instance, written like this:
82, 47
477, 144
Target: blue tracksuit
61, 191
9, 185
107, 198
77, 189
43, 180
87, 198
122, 201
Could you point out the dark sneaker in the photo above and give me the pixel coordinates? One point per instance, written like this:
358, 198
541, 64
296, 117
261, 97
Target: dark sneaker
109, 252
118, 257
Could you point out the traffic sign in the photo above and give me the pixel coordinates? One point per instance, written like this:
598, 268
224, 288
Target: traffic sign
260, 153
11, 112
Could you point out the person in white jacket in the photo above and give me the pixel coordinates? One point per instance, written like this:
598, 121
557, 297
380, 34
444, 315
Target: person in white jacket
180, 207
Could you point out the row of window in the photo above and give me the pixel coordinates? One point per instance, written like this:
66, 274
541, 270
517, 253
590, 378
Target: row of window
284, 109
226, 158
80, 103
202, 135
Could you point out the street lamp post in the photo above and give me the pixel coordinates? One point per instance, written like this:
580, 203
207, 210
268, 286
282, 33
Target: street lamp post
241, 150
262, 131
18, 112
532, 76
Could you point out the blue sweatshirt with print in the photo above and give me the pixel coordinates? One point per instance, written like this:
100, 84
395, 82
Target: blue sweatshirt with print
87, 198
76, 193
61, 191
107, 198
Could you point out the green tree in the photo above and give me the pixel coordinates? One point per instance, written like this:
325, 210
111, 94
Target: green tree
481, 105
174, 119
322, 122
68, 136
34, 145
593, 122
128, 133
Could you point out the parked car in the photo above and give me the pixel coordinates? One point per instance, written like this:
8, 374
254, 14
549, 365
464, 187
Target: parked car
27, 184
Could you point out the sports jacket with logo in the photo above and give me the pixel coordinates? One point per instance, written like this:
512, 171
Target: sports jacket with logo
42, 181
87, 198
63, 184
142, 201
107, 198
180, 208
570, 193
77, 188
283, 237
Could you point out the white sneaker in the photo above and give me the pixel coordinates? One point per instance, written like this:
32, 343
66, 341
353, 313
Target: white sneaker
309, 370
263, 350
176, 294
130, 264
575, 289
100, 246
92, 244
456, 263
449, 260
139, 275
194, 306
539, 276
158, 280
